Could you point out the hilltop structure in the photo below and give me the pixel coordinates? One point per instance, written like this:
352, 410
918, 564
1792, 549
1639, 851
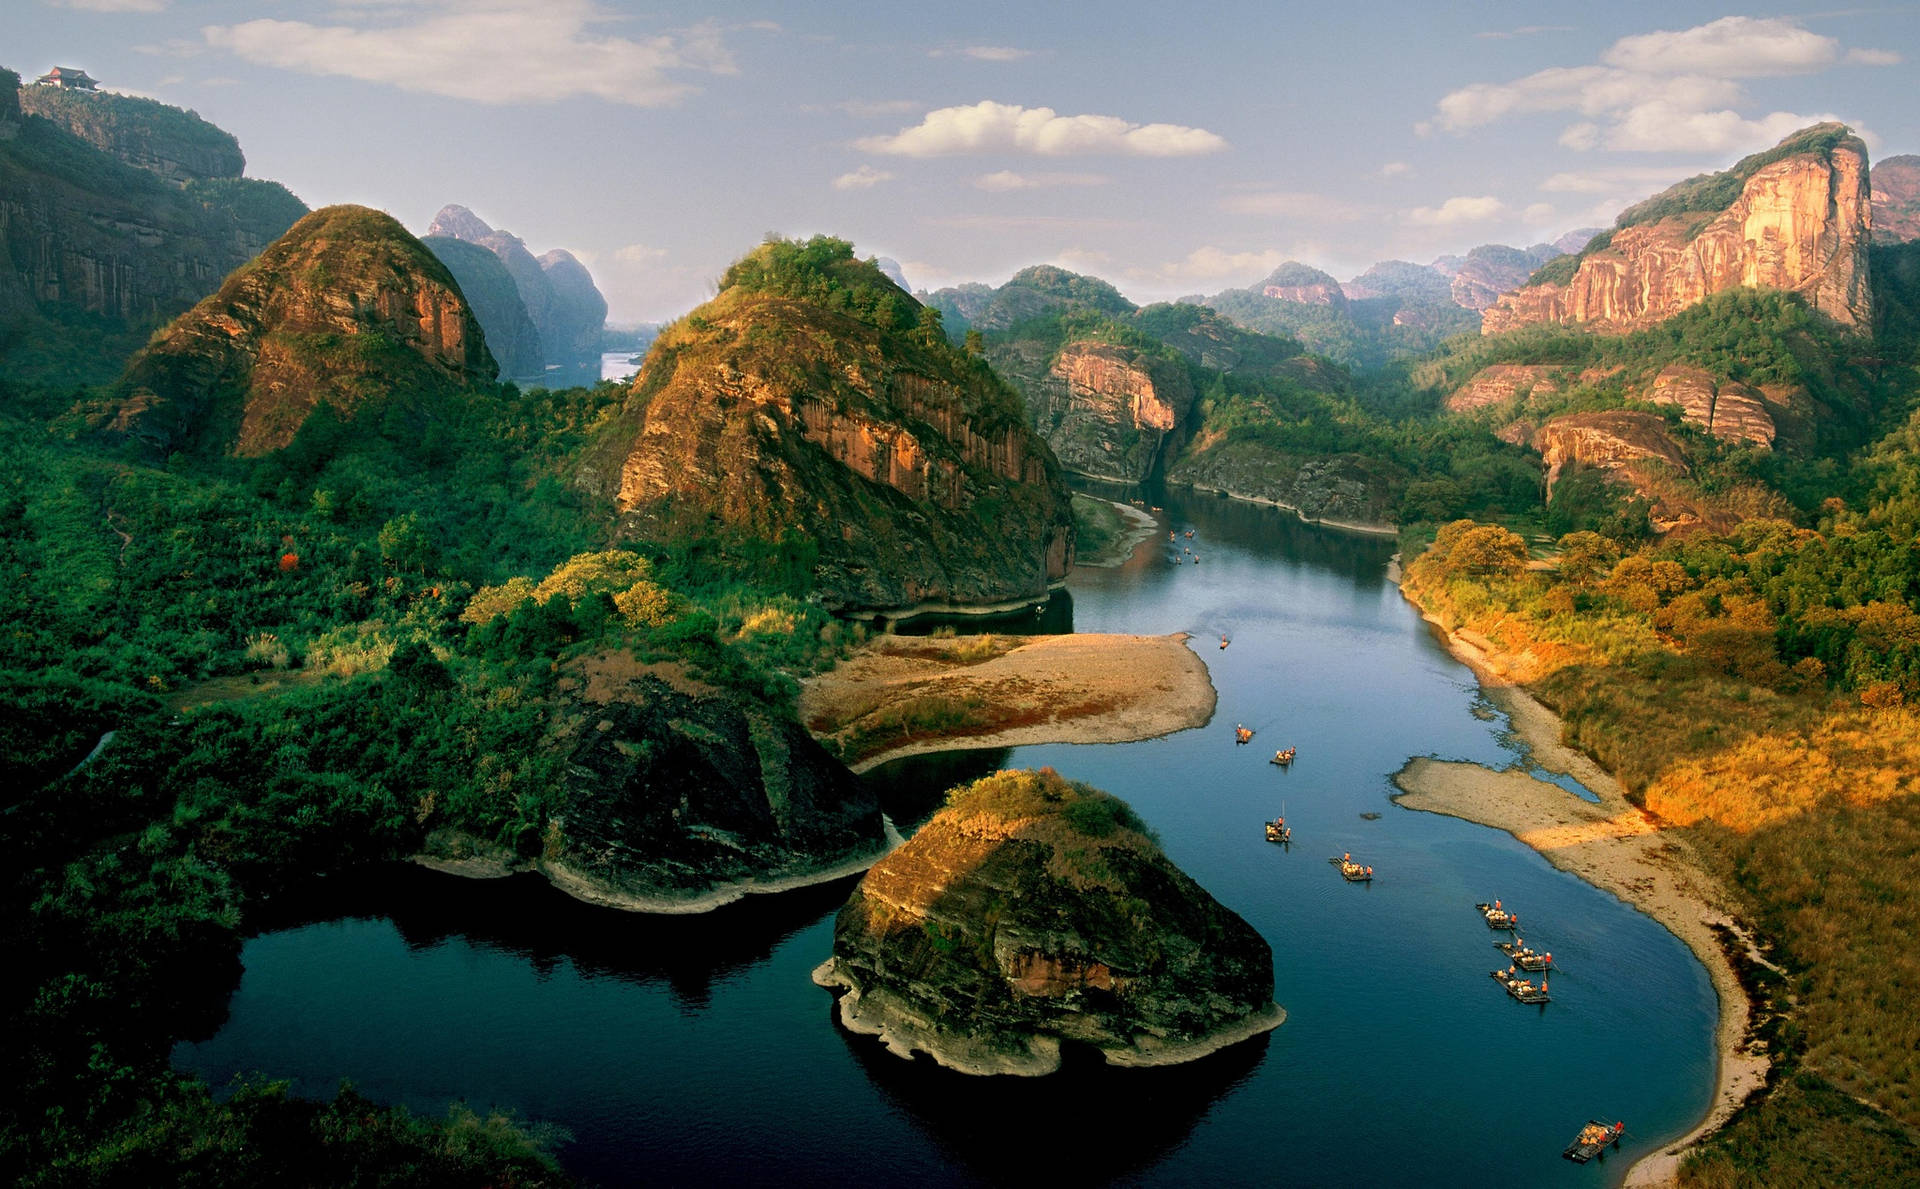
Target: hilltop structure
71, 78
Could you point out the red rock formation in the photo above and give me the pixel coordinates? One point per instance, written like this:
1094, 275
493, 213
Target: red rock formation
345, 306
1896, 200
1502, 382
1727, 410
1800, 224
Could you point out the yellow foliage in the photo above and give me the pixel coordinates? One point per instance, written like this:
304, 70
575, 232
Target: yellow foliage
624, 575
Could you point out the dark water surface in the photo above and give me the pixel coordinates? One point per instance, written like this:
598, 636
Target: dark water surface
696, 1050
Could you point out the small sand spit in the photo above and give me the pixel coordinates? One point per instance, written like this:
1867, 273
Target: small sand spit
1612, 845
1039, 689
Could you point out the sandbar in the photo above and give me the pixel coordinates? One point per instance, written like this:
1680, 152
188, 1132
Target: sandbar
1613, 845
1005, 691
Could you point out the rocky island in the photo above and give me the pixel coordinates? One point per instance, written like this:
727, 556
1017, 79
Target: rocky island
1034, 912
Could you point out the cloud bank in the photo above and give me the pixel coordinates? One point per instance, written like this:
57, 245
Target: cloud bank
989, 127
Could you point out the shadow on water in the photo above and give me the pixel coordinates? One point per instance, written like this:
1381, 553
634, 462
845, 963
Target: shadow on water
1088, 1124
525, 916
912, 788
1051, 618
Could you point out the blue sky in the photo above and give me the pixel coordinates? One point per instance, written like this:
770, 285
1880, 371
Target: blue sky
1169, 148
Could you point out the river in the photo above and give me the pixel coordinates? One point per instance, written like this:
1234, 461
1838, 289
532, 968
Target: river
696, 1050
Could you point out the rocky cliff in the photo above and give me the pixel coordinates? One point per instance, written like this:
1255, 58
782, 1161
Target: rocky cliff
343, 308
679, 797
95, 253
1476, 280
1108, 411
1796, 218
1896, 200
490, 290
1030, 293
1304, 285
166, 141
1031, 913
558, 293
811, 397
1350, 490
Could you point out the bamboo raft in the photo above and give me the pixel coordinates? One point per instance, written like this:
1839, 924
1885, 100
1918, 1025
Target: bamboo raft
1524, 956
1497, 917
1521, 988
1351, 871
1594, 1139
1279, 832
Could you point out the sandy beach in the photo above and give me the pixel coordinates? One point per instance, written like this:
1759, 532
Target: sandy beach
1141, 524
1612, 845
906, 695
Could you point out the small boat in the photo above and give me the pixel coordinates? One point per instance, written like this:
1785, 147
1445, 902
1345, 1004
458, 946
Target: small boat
1351, 871
1525, 956
1497, 917
1223, 641
1594, 1139
1242, 734
1279, 831
1522, 989
1189, 534
1284, 756
1156, 508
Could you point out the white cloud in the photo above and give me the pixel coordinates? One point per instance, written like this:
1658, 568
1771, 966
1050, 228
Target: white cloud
1731, 47
1523, 31
984, 53
1539, 212
1873, 58
489, 51
1463, 209
864, 178
1208, 263
989, 127
1006, 180
112, 5
1394, 169
1612, 180
1667, 91
866, 109
639, 255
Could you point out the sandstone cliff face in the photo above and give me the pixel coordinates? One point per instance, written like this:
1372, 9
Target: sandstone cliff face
680, 797
1730, 411
1107, 411
1476, 280
558, 293
1304, 285
1801, 223
81, 230
345, 307
489, 288
915, 475
1896, 200
1501, 382
1033, 912
173, 144
1633, 449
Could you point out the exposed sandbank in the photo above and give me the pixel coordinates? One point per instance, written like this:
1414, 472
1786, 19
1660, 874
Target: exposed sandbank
1365, 527
1143, 525
1613, 845
1039, 689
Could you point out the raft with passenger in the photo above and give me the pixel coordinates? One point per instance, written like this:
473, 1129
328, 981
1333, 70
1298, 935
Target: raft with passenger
1524, 956
1284, 756
1520, 988
1242, 733
1498, 917
1279, 831
1594, 1139
1351, 871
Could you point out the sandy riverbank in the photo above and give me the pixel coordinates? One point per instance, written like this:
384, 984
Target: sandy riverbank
1141, 524
903, 695
1612, 845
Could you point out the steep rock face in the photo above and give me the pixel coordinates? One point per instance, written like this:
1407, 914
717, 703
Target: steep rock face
81, 231
1032, 912
1107, 411
1476, 280
913, 471
1305, 285
576, 313
1501, 382
174, 144
1800, 223
1896, 200
1730, 411
344, 307
560, 299
1343, 489
495, 299
1029, 293
677, 796
1606, 440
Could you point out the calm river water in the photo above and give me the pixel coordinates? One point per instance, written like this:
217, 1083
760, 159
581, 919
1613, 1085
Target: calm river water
696, 1051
